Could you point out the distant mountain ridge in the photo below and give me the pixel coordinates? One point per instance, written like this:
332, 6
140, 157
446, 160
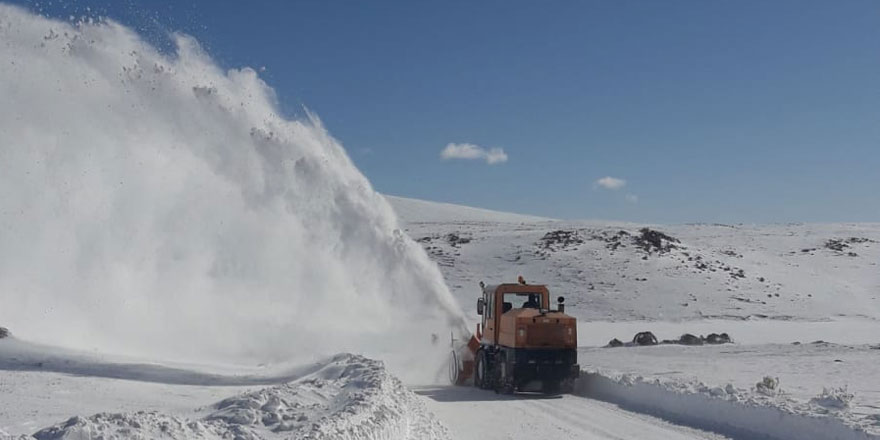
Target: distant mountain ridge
423, 211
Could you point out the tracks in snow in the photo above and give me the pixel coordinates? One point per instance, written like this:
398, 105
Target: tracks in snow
470, 413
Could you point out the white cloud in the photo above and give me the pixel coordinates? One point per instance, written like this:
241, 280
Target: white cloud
611, 183
632, 198
472, 152
496, 155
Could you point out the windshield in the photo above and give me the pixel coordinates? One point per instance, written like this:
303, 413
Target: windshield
521, 301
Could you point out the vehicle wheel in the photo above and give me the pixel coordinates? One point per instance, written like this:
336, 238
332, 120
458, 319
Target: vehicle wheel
550, 387
454, 369
567, 386
504, 384
480, 371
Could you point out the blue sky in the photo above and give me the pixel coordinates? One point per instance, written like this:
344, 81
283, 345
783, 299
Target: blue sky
699, 111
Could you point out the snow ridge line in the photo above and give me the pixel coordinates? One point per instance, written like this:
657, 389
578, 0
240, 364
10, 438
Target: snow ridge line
349, 398
734, 418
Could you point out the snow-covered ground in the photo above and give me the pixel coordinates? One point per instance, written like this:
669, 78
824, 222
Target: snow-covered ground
816, 379
801, 302
668, 391
480, 415
54, 393
608, 272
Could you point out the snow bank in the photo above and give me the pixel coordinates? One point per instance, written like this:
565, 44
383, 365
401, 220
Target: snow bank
349, 397
727, 410
156, 205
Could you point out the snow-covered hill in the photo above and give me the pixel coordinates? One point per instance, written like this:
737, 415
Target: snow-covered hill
625, 272
774, 288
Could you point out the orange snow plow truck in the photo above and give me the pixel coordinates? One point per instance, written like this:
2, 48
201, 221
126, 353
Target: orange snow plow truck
520, 345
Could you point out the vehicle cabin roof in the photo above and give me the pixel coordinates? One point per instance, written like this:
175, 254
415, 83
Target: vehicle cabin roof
516, 288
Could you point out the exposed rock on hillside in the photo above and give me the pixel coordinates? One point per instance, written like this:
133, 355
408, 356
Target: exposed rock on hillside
560, 239
841, 245
652, 241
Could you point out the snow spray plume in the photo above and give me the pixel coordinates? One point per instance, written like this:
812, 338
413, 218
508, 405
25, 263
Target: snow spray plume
158, 206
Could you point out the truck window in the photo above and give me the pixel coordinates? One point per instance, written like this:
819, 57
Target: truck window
521, 301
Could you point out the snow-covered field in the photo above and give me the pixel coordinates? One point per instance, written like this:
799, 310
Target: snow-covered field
608, 272
470, 413
801, 302
54, 393
817, 364
816, 380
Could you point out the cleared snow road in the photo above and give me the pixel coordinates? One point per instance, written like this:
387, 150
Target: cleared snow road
470, 413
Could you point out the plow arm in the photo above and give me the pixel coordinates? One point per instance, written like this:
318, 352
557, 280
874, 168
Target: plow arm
461, 360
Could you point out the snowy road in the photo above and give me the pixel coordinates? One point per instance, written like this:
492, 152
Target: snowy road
470, 413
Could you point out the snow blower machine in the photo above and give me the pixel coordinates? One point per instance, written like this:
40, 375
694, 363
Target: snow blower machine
520, 345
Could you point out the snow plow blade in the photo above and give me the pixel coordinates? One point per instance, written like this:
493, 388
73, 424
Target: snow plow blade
461, 361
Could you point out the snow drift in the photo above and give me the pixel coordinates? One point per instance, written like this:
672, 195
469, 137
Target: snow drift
156, 205
348, 397
730, 411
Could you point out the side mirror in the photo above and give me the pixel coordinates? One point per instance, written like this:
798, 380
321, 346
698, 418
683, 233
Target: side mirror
480, 304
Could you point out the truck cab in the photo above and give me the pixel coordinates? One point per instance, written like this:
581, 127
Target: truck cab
523, 343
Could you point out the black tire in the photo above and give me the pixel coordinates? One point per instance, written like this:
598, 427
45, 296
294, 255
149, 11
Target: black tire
481, 371
567, 386
454, 369
505, 383
551, 387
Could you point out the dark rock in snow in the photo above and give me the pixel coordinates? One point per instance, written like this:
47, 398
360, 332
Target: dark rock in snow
4, 332
456, 240
655, 241
645, 338
689, 339
715, 338
560, 239
856, 240
731, 253
836, 245
615, 343
840, 245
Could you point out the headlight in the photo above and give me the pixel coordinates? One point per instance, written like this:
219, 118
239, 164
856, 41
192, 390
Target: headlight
521, 332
